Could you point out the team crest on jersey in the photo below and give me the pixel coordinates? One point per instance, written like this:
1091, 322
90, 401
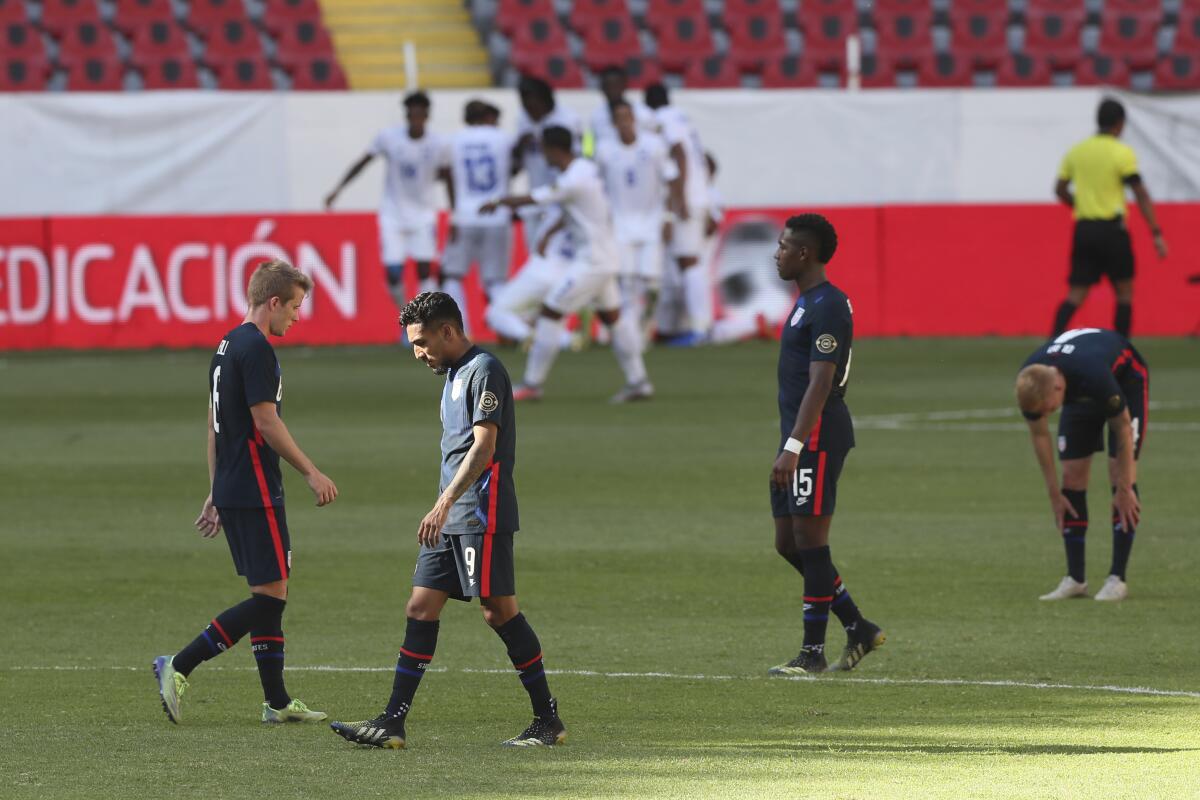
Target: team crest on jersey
1114, 402
826, 343
488, 403
796, 317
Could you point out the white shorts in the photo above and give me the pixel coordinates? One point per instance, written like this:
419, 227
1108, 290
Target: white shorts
687, 236
525, 293
642, 259
582, 285
400, 242
485, 245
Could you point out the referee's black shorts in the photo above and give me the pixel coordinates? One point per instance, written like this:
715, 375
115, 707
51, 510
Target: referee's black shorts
1100, 248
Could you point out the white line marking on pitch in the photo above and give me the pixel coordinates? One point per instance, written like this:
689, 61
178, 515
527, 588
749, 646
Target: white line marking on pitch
945, 420
589, 673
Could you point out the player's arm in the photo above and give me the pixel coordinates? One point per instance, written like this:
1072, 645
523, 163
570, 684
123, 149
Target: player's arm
1142, 195
350, 175
276, 434
1062, 190
477, 459
544, 242
512, 201
820, 384
1043, 448
681, 166
1125, 500
209, 521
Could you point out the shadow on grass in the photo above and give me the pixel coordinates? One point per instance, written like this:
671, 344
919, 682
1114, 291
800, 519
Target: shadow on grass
928, 748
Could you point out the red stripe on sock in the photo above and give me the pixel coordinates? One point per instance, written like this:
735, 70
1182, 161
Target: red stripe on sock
418, 656
272, 522
1075, 523
224, 635
808, 599
254, 639
528, 663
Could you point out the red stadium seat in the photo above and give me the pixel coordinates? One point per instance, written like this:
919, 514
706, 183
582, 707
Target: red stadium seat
663, 13
586, 13
558, 69
904, 36
206, 15
303, 39
642, 72
711, 72
1133, 37
279, 10
903, 6
319, 73
95, 75
610, 41
1187, 30
133, 14
1178, 73
12, 11
168, 72
513, 14
539, 37
231, 38
789, 72
21, 40
979, 30
87, 40
944, 71
1023, 70
159, 39
23, 74
755, 39
751, 8
1101, 71
825, 27
59, 14
684, 40
878, 72
1052, 30
250, 73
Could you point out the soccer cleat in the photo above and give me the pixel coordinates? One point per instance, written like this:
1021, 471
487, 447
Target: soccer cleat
808, 662
1068, 587
527, 392
542, 732
294, 711
1113, 589
634, 392
693, 339
865, 637
379, 732
171, 686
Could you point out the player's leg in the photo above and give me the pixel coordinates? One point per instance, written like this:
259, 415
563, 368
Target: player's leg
1080, 435
626, 344
688, 243
1119, 266
789, 549
574, 289
423, 249
1084, 273
510, 309
1136, 388
394, 252
455, 263
496, 246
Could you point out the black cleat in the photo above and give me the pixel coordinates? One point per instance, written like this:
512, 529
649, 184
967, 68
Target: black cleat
379, 732
862, 638
542, 732
808, 662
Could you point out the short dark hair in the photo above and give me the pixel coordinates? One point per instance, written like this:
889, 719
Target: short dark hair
556, 137
430, 309
475, 111
417, 100
614, 71
820, 229
1110, 114
491, 111
656, 95
711, 160
531, 86
622, 103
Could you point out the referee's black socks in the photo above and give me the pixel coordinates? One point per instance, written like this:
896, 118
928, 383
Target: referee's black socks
420, 640
1062, 317
1123, 319
1074, 533
224, 631
525, 652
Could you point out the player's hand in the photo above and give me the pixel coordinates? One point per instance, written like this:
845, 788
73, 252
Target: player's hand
489, 207
209, 521
1160, 245
322, 487
783, 474
543, 245
1061, 506
1128, 508
667, 230
429, 532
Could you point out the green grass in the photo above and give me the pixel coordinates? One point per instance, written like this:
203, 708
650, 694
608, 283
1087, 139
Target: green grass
647, 547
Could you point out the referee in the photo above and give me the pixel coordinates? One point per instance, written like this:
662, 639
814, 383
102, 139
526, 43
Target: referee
1100, 167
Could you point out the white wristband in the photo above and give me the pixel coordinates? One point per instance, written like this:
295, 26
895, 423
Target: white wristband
793, 445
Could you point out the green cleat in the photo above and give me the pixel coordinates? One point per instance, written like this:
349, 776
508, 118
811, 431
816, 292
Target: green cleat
294, 711
171, 686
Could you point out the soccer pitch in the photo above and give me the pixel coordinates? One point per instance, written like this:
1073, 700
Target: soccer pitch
646, 565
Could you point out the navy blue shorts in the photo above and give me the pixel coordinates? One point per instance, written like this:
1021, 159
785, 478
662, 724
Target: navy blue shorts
813, 492
1081, 425
466, 565
259, 543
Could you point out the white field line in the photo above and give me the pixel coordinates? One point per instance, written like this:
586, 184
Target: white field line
957, 419
588, 673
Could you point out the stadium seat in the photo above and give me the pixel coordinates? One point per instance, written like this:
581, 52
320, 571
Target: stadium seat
878, 72
59, 14
1178, 73
610, 40
751, 8
979, 30
1130, 36
23, 74
663, 13
95, 75
711, 72
755, 38
535, 37
684, 40
1101, 71
278, 10
1022, 70
250, 73
205, 15
12, 11
86, 40
513, 14
825, 25
904, 36
230, 39
642, 72
944, 70
1053, 29
22, 40
558, 69
158, 39
303, 38
168, 72
133, 14
585, 13
319, 73
789, 72
1187, 29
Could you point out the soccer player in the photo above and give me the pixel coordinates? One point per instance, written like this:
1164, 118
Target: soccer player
467, 539
408, 215
480, 164
590, 280
817, 434
639, 175
1100, 167
691, 216
614, 82
246, 438
1095, 376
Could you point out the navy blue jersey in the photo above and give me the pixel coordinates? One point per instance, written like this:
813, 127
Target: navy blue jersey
820, 328
1094, 363
244, 372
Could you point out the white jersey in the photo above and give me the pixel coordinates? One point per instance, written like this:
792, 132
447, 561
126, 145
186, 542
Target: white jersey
579, 191
678, 129
409, 188
636, 177
602, 124
540, 173
481, 164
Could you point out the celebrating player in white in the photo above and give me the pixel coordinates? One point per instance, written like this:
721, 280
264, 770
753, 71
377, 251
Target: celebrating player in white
591, 278
613, 83
408, 213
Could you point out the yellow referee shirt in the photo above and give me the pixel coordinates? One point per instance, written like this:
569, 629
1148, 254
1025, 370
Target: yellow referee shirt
1098, 167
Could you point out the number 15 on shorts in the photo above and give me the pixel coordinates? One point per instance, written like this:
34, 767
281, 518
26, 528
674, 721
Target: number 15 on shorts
802, 485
